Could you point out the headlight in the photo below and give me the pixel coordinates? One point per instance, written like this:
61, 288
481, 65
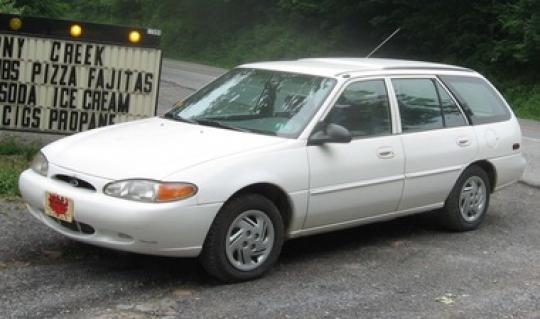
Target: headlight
40, 164
150, 191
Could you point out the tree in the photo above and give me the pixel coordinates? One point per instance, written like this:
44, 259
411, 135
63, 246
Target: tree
45, 8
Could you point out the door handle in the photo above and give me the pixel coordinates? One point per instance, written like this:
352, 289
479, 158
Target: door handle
463, 141
385, 152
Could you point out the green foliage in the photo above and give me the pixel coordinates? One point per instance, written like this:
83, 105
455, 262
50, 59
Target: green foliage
45, 8
8, 6
15, 157
10, 146
497, 38
520, 23
525, 100
262, 42
9, 178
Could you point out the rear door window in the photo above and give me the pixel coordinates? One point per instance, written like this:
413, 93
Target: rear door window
418, 103
479, 100
453, 116
425, 105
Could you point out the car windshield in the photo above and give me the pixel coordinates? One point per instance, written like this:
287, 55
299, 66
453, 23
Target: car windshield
259, 101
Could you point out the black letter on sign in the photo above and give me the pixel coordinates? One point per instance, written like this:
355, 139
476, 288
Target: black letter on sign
36, 69
21, 44
54, 55
87, 55
36, 116
53, 116
138, 83
73, 121
83, 121
32, 96
99, 55
123, 102
25, 116
148, 82
5, 119
8, 47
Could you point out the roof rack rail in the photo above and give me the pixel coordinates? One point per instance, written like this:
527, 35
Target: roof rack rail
439, 68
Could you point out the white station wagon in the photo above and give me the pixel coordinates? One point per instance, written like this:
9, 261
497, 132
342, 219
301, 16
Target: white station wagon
277, 150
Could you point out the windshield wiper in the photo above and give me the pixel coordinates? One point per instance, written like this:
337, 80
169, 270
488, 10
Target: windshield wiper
236, 128
219, 124
206, 122
175, 117
215, 123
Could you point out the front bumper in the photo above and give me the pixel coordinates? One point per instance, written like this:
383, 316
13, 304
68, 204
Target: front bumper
166, 229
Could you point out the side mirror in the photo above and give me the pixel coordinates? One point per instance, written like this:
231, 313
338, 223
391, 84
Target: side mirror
330, 133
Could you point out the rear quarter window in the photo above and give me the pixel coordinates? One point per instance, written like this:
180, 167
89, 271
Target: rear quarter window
478, 99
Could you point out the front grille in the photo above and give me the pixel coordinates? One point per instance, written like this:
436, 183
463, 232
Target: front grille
75, 182
76, 226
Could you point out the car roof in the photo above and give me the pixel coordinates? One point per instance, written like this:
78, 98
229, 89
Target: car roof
332, 67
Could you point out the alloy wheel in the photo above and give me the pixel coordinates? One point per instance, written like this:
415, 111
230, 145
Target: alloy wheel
472, 199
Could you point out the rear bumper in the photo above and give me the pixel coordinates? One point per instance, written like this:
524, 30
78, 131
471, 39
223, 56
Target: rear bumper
166, 229
509, 169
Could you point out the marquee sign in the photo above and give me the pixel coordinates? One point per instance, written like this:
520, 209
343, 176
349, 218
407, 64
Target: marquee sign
65, 77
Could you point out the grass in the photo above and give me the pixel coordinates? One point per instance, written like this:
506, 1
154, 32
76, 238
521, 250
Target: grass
14, 158
525, 101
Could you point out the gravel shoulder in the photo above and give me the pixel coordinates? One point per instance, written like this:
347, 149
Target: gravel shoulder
405, 268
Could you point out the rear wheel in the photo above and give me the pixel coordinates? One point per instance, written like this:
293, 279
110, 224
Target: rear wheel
245, 239
466, 207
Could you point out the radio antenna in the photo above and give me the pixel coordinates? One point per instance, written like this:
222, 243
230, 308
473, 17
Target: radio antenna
382, 43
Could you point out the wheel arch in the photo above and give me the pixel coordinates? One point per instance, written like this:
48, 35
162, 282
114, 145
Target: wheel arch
274, 193
490, 170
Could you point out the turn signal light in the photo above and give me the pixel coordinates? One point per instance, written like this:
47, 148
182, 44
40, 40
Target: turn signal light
15, 24
171, 191
134, 36
75, 30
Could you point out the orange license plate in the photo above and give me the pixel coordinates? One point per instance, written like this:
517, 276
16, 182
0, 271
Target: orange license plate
59, 207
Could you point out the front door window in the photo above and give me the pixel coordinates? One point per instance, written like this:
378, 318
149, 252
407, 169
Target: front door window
363, 109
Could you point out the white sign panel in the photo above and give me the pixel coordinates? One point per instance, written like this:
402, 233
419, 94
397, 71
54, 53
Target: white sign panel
60, 86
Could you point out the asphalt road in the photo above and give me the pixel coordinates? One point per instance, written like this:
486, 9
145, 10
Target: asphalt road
180, 79
406, 268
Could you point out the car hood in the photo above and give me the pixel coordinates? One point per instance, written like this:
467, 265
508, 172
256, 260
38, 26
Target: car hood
152, 148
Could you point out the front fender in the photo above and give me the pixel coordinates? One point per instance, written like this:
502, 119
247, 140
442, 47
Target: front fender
284, 167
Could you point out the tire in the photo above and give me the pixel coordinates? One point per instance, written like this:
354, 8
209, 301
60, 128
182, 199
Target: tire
465, 208
244, 257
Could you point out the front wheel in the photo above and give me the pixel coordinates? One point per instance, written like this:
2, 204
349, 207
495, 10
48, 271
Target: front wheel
468, 202
244, 240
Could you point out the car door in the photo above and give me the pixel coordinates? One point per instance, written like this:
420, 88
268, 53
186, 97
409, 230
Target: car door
497, 131
437, 139
362, 178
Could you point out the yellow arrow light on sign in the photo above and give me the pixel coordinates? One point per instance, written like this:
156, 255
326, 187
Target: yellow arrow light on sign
75, 30
15, 24
134, 36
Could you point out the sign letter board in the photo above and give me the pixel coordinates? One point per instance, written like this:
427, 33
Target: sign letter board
53, 82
